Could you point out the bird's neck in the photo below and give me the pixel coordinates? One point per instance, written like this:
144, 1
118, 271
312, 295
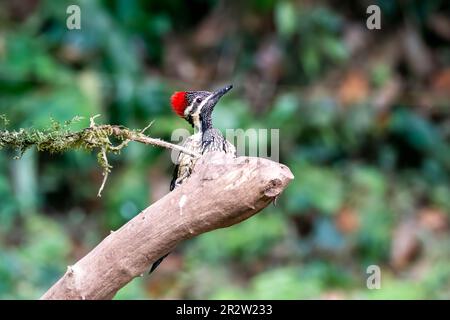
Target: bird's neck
196, 123
205, 122
202, 123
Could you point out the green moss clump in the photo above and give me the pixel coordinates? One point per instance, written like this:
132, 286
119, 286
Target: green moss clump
59, 138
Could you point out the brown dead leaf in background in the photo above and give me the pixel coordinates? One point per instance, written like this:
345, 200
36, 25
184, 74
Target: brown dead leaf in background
347, 220
268, 59
71, 54
354, 88
177, 61
387, 95
2, 46
20, 10
440, 24
417, 54
441, 82
433, 219
214, 27
405, 247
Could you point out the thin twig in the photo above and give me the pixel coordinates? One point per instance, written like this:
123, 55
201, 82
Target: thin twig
158, 142
149, 125
105, 171
92, 120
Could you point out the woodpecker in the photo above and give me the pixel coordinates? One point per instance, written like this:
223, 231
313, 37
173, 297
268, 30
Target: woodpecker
196, 107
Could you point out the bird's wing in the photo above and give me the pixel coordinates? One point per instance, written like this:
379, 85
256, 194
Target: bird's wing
174, 177
229, 148
186, 143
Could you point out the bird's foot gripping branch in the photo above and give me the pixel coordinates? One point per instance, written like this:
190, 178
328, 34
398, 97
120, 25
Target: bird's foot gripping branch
221, 192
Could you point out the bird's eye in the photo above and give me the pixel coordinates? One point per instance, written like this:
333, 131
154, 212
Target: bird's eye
198, 100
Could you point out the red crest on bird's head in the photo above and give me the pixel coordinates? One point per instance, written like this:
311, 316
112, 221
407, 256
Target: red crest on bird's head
179, 102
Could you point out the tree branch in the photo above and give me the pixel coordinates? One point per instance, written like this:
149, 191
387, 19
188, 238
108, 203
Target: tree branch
142, 138
59, 138
221, 192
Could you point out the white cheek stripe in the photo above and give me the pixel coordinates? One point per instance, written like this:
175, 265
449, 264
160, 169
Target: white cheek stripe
188, 109
202, 104
199, 108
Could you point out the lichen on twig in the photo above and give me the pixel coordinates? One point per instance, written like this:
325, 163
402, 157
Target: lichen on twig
59, 138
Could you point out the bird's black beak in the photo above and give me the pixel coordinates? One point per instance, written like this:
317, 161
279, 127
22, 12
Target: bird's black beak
219, 93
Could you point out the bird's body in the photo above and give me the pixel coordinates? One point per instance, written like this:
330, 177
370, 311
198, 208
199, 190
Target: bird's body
196, 107
213, 140
185, 162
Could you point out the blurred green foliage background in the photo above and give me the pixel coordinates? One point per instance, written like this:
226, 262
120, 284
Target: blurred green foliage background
364, 126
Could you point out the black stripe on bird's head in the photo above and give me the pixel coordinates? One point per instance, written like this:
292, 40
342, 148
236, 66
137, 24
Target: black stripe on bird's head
197, 106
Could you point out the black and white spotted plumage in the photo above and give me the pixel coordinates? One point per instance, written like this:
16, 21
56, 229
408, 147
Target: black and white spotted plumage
205, 138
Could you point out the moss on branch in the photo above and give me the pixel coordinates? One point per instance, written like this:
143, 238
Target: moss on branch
59, 138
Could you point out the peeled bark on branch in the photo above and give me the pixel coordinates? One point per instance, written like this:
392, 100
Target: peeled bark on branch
221, 192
